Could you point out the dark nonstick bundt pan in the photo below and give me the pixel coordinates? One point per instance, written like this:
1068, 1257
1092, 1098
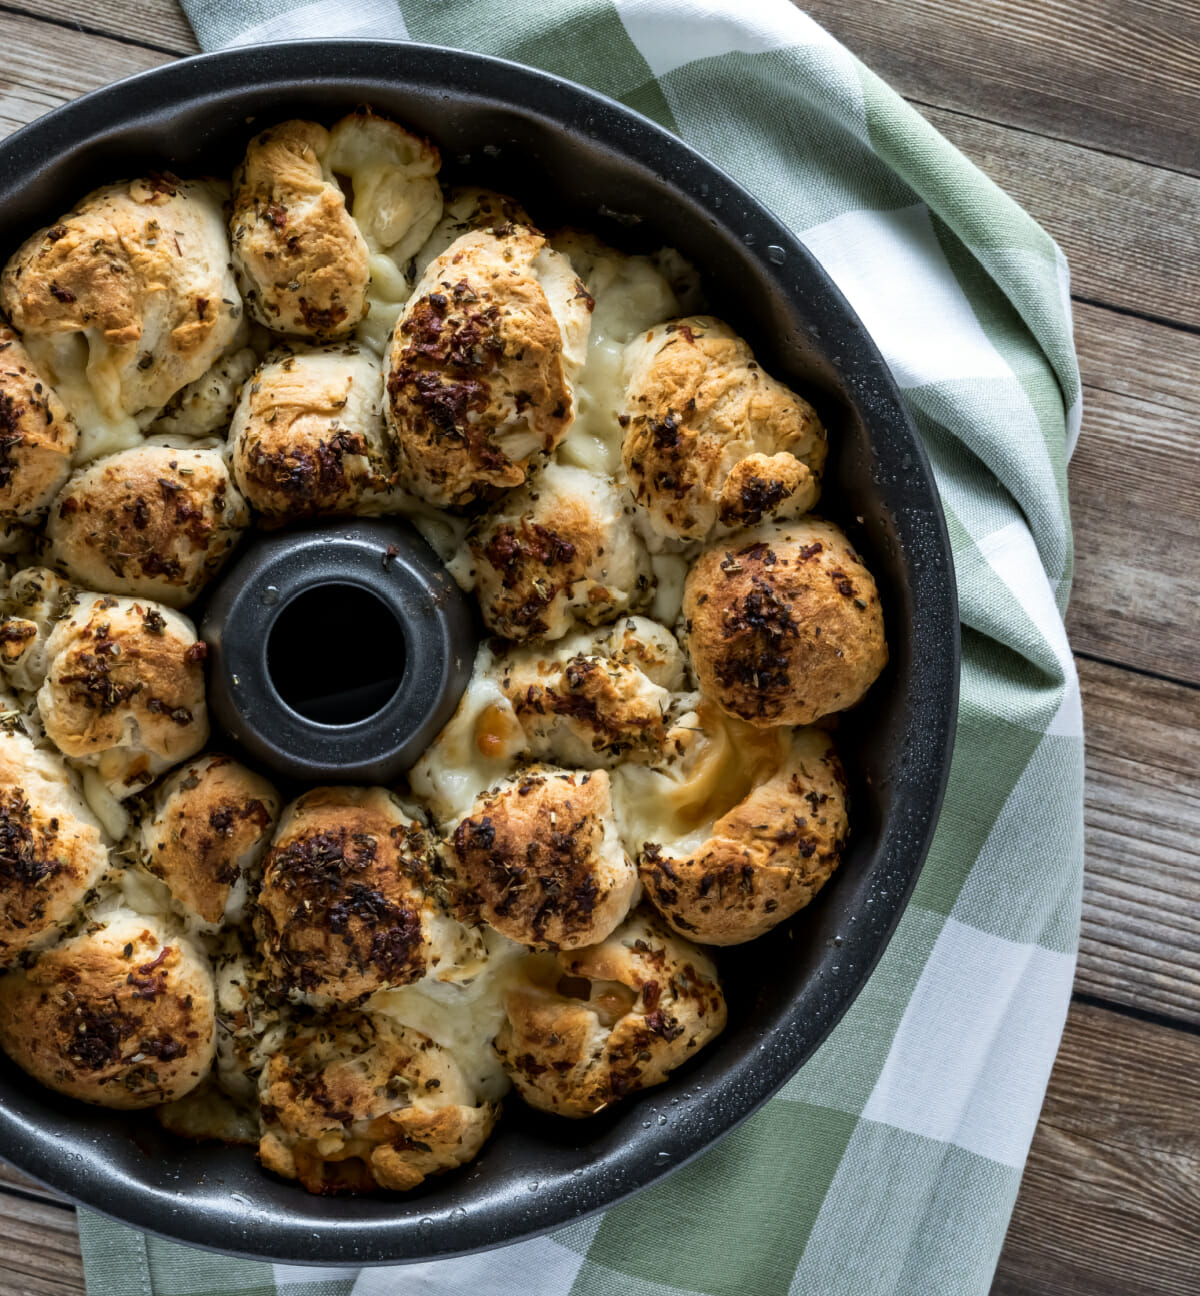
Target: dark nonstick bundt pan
571, 156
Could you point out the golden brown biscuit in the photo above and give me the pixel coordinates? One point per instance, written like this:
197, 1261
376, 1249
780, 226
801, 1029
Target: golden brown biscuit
784, 623
359, 1102
121, 1017
479, 371
539, 857
711, 440
156, 522
125, 300
34, 601
306, 261
301, 260
37, 435
588, 1027
207, 826
124, 689
345, 907
595, 697
308, 436
560, 550
761, 845
52, 848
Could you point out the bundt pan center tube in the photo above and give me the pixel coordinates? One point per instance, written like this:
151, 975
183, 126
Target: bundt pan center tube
576, 158
337, 651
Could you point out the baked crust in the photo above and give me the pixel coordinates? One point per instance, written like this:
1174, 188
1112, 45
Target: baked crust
344, 910
361, 1102
122, 1017
478, 372
588, 1027
52, 848
767, 855
597, 697
309, 438
124, 689
539, 858
712, 441
206, 827
784, 623
37, 434
139, 271
558, 551
302, 261
155, 522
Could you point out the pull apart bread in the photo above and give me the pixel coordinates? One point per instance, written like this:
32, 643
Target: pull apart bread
354, 980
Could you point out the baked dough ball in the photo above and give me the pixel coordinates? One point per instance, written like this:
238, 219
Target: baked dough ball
559, 550
710, 438
345, 907
359, 1102
124, 690
157, 522
308, 435
204, 407
539, 857
468, 208
35, 600
37, 435
52, 848
125, 300
207, 826
767, 855
595, 698
304, 260
587, 1027
301, 260
396, 197
122, 1017
784, 623
480, 366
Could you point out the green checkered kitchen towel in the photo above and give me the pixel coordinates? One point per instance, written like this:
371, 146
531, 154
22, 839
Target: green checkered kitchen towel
890, 1163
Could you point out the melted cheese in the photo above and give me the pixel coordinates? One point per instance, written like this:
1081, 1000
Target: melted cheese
83, 373
717, 762
463, 1016
479, 746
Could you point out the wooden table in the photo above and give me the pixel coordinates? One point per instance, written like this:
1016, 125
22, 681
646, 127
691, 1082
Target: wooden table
1089, 115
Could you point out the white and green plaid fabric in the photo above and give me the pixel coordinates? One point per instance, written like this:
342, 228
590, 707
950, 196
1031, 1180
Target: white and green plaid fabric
890, 1162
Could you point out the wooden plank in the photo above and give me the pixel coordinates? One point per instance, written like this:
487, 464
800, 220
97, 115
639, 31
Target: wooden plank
10, 1178
161, 24
1135, 487
1134, 357
39, 1249
46, 66
1129, 230
1122, 75
1141, 899
1110, 1201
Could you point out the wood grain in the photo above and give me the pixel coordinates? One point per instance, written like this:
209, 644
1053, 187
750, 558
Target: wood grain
159, 24
45, 66
1134, 357
1141, 896
1135, 480
1110, 1201
1129, 230
39, 1249
1118, 75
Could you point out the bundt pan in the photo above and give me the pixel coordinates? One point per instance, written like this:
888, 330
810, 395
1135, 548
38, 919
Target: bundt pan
570, 155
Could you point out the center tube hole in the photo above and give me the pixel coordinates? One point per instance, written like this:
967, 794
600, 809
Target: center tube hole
336, 654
